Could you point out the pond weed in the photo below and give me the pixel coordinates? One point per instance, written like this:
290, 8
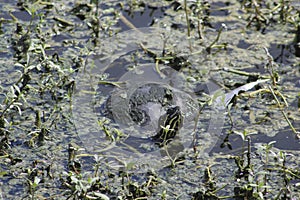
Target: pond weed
35, 119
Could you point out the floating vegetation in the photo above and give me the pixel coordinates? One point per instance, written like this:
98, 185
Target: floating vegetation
81, 99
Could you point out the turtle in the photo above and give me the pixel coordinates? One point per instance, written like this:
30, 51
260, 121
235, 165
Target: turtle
156, 99
169, 123
150, 104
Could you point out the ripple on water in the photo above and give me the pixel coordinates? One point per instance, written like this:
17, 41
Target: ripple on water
136, 75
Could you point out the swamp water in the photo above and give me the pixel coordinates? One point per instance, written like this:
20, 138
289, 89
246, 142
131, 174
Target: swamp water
130, 73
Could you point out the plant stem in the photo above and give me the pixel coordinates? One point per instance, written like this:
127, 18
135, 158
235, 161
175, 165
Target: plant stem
284, 114
187, 18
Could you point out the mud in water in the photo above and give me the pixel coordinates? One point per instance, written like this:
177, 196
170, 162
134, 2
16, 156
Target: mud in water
69, 70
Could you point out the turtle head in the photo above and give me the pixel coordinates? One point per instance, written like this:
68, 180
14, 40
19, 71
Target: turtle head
170, 124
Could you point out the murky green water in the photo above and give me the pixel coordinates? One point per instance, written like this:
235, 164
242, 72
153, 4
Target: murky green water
55, 57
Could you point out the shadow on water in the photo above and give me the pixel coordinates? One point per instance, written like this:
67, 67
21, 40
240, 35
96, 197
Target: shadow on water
182, 179
280, 52
145, 18
284, 140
